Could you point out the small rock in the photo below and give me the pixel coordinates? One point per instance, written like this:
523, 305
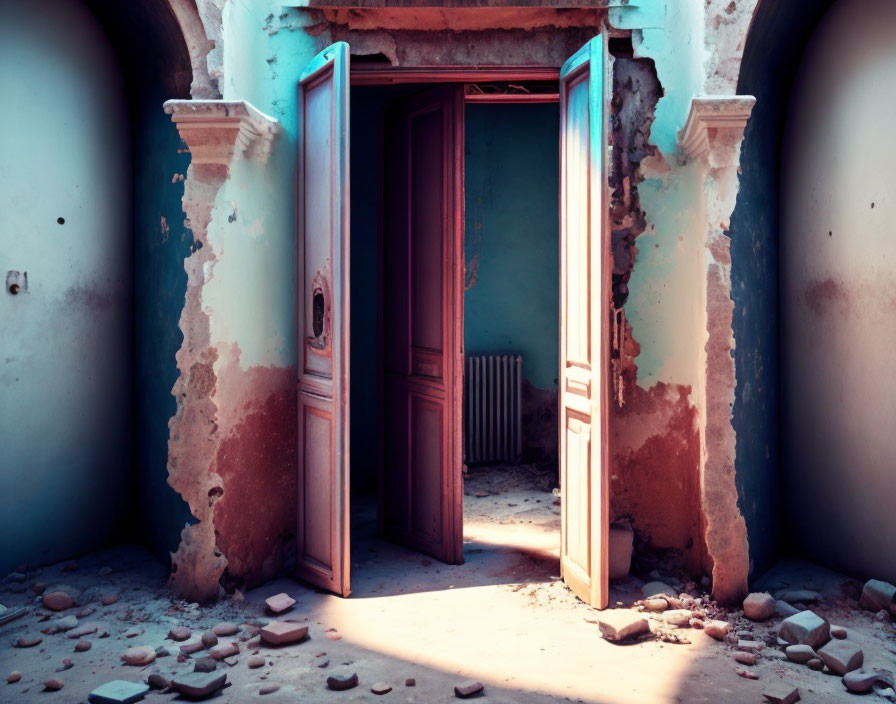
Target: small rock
133, 632
842, 656
746, 674
806, 596
861, 682
57, 601
205, 665
158, 681
381, 688
199, 684
254, 643
280, 602
677, 617
226, 629
877, 595
139, 655
108, 599
410, 682
13, 677
282, 632
781, 693
28, 641
838, 632
105, 571
53, 685
339, 682
269, 689
620, 624
759, 606
86, 611
656, 588
39, 587
255, 661
323, 664
751, 646
746, 658
656, 605
224, 650
190, 648
782, 608
83, 630
815, 664
716, 629
118, 692
179, 633
806, 628
209, 639
162, 652
66, 665
66, 623
467, 690
82, 646
800, 654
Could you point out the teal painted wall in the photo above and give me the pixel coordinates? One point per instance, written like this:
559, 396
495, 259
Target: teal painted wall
511, 235
65, 351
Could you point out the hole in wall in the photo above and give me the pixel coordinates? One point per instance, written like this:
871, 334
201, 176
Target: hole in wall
60, 220
318, 314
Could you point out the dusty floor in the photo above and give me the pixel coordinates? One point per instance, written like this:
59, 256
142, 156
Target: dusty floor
503, 618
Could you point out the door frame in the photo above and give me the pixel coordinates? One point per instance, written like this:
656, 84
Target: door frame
371, 76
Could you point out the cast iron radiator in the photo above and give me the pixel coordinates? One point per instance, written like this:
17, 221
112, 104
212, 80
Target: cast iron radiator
493, 409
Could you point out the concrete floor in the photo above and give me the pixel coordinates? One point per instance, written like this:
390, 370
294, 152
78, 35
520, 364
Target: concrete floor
502, 618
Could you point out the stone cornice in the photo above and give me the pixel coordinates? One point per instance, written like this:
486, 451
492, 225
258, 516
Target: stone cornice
710, 115
219, 131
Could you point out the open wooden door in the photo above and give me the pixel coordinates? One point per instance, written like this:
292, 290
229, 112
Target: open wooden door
323, 321
421, 494
584, 325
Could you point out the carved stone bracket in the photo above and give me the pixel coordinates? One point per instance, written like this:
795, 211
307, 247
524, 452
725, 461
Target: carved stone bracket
219, 131
714, 121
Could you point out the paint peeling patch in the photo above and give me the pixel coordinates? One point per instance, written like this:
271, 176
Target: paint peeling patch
826, 295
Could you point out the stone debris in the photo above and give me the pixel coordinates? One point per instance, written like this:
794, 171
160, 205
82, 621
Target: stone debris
678, 617
224, 650
255, 661
655, 605
815, 664
209, 639
108, 599
205, 665
53, 685
842, 656
139, 655
804, 596
838, 632
66, 623
861, 682
118, 692
57, 600
67, 664
190, 648
341, 682
283, 632
621, 624
225, 629
877, 595
381, 688
158, 681
806, 628
180, 633
746, 658
652, 589
269, 689
781, 693
759, 606
84, 629
751, 646
13, 677
466, 690
410, 682
783, 609
199, 684
800, 654
716, 629
746, 674
280, 602
28, 641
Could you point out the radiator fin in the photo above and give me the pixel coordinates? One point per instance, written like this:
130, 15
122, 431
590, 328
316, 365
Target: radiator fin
493, 409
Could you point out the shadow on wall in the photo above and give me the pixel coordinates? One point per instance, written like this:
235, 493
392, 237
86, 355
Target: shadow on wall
777, 38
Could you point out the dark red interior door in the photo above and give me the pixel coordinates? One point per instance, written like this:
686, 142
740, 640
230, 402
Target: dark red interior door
421, 488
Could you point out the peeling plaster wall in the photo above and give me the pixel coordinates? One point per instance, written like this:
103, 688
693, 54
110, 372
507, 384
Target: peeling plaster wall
65, 374
838, 294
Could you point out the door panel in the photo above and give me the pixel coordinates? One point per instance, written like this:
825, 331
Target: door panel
421, 487
323, 321
584, 328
